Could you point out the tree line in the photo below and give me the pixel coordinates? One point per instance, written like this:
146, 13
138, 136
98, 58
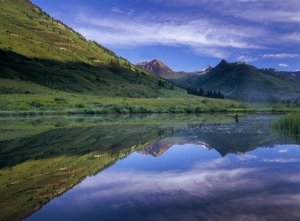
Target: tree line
209, 93
162, 84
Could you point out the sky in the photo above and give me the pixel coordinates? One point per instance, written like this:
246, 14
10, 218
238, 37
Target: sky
189, 35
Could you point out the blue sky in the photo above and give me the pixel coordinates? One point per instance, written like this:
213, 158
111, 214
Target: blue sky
189, 34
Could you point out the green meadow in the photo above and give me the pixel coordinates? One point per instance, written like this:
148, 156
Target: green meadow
40, 100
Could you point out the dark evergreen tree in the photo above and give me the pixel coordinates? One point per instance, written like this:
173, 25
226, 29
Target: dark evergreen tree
210, 93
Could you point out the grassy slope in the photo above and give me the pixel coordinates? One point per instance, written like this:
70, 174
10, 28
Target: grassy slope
36, 48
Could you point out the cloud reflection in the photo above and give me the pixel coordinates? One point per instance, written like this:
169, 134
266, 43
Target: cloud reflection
214, 191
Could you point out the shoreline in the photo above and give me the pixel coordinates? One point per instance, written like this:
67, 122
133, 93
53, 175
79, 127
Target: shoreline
100, 112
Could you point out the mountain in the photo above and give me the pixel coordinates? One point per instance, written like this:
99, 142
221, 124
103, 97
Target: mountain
241, 81
159, 69
197, 73
36, 48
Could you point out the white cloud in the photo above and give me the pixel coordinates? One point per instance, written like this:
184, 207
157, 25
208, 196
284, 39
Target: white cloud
246, 58
280, 160
225, 29
283, 151
209, 177
260, 11
263, 15
246, 157
283, 65
294, 37
207, 182
205, 37
116, 10
119, 11
280, 56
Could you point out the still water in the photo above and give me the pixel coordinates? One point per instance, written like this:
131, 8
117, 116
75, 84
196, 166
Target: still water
207, 167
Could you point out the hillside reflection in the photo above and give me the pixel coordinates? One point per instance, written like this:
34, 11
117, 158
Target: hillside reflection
43, 158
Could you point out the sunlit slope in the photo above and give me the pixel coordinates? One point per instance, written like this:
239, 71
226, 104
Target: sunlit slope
37, 48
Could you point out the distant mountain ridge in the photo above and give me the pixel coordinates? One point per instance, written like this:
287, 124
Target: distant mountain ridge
240, 81
159, 69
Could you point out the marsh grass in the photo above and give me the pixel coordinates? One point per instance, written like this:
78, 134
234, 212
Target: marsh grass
290, 126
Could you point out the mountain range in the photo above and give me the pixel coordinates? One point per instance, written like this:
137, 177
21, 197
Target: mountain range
237, 81
159, 69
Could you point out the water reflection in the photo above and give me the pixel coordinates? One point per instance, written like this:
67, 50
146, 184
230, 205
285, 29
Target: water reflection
217, 189
192, 168
41, 158
239, 137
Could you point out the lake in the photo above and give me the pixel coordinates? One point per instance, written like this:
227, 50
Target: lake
148, 167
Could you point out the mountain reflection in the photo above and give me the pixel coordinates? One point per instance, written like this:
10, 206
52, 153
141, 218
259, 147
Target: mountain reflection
185, 179
216, 191
242, 137
48, 161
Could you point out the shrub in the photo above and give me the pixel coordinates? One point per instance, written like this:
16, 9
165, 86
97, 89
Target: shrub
189, 110
60, 100
198, 110
121, 110
79, 105
37, 104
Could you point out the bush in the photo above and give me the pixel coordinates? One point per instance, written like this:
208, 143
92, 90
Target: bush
79, 106
60, 100
120, 110
198, 110
37, 104
189, 109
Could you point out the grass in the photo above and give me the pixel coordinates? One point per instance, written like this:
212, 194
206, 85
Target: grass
81, 104
290, 126
42, 100
25, 98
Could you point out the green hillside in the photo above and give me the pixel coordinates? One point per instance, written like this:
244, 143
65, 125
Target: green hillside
244, 82
37, 48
